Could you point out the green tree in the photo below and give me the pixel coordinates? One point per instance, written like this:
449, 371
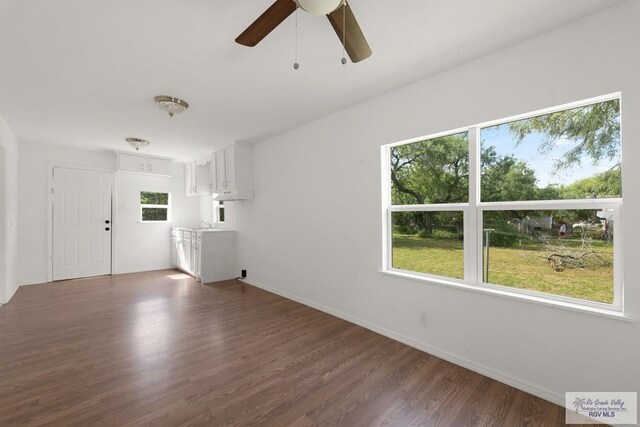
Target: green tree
550, 192
607, 184
505, 178
425, 172
431, 171
150, 198
595, 127
437, 171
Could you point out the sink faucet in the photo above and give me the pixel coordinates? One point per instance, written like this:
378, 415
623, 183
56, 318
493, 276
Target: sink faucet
208, 224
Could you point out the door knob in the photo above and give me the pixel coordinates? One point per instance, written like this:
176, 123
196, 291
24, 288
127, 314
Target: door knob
107, 229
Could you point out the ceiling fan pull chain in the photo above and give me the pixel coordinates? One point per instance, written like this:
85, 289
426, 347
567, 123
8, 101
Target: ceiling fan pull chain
295, 64
344, 31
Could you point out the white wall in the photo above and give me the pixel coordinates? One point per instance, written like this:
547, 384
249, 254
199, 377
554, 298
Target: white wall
206, 209
230, 212
3, 261
314, 230
35, 161
145, 246
8, 212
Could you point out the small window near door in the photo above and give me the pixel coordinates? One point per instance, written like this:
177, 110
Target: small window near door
218, 211
154, 207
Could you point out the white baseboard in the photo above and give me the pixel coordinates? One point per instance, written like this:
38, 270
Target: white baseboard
33, 283
527, 387
143, 269
9, 296
125, 271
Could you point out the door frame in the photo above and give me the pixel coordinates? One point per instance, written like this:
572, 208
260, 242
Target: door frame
50, 187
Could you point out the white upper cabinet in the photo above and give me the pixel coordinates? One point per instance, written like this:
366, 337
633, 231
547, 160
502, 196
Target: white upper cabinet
196, 178
159, 166
230, 169
190, 179
221, 170
228, 175
234, 173
213, 173
143, 164
202, 179
131, 163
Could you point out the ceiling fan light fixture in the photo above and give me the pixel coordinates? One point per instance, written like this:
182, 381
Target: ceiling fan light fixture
171, 104
319, 7
338, 12
137, 143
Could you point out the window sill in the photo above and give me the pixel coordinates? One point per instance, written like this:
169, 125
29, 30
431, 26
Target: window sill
611, 314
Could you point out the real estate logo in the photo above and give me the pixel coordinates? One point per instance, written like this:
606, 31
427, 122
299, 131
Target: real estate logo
586, 407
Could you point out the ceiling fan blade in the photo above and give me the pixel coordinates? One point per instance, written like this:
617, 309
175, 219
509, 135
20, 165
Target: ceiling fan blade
270, 19
355, 43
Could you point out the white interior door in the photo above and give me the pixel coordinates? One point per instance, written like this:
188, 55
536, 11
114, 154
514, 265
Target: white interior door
81, 223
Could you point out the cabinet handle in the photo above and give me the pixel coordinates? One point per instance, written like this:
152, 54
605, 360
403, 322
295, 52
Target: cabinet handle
141, 166
150, 167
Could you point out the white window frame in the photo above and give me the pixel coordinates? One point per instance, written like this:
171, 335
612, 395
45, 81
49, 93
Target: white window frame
473, 213
167, 207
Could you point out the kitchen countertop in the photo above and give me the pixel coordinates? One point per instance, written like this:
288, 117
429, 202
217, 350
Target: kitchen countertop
201, 230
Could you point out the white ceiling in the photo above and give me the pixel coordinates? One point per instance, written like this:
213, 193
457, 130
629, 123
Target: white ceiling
83, 72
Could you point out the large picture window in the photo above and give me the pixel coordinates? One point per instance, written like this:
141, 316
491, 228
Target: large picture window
531, 205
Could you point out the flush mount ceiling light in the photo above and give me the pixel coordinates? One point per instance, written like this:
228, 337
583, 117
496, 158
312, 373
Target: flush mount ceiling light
171, 104
137, 143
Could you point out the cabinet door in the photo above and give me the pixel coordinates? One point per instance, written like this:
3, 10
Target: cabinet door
129, 162
188, 178
213, 174
194, 182
174, 250
159, 166
197, 257
202, 179
230, 166
188, 254
180, 254
222, 170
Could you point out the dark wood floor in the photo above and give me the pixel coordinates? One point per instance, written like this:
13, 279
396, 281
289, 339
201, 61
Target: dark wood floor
159, 348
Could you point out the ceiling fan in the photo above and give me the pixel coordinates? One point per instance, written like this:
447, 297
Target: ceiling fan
338, 11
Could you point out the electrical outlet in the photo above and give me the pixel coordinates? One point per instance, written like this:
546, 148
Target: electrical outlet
424, 320
244, 274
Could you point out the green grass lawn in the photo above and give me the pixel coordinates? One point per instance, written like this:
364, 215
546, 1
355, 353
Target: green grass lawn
524, 266
443, 257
